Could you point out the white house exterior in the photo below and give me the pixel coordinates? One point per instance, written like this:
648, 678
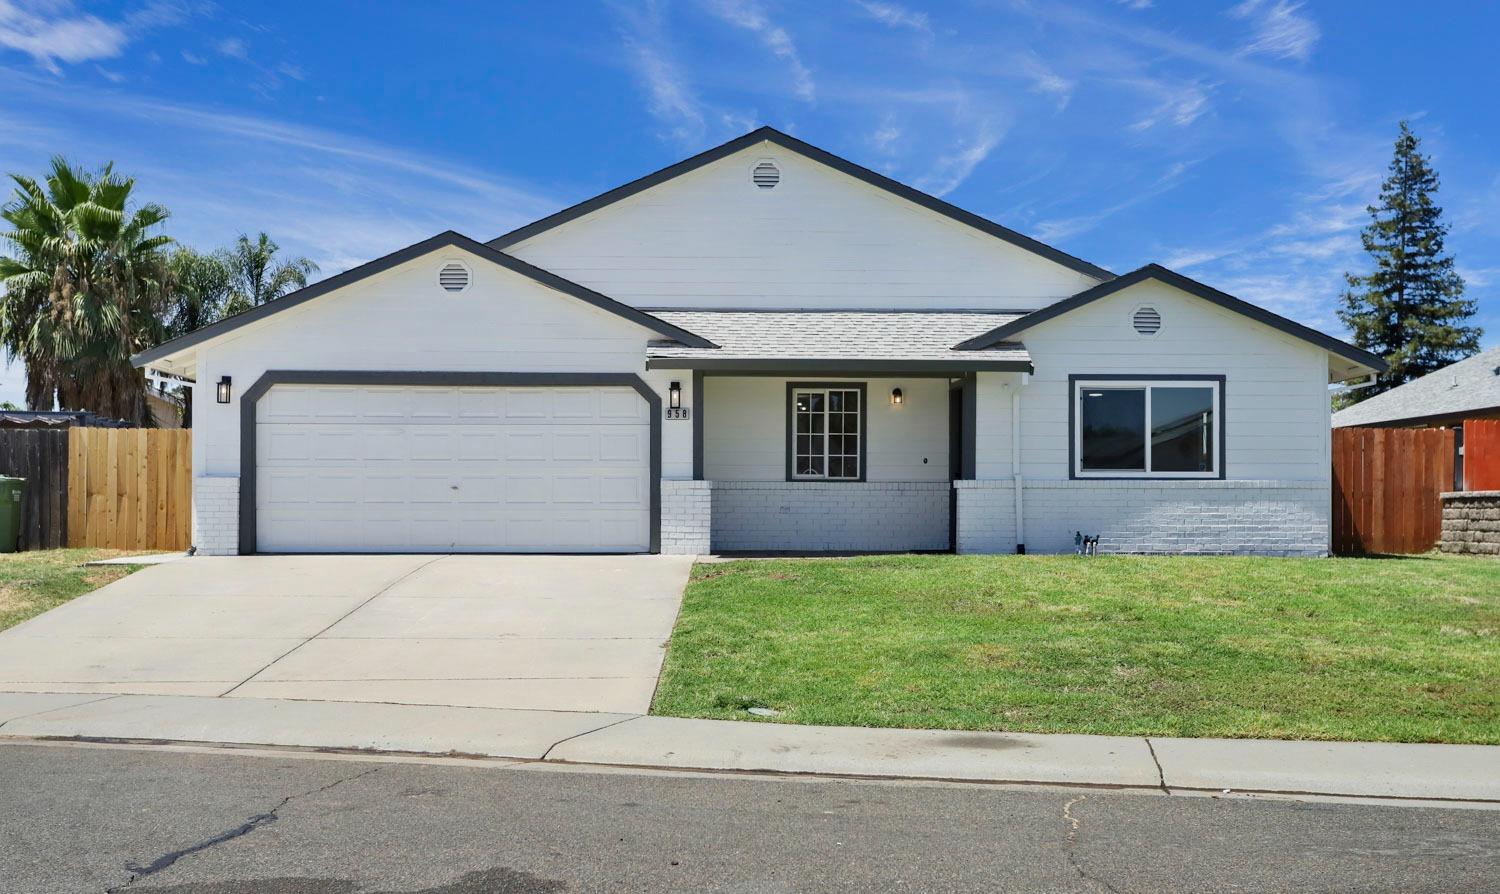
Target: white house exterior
763, 347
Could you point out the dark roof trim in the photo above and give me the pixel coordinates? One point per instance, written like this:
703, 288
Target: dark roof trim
1192, 287
448, 239
790, 143
799, 365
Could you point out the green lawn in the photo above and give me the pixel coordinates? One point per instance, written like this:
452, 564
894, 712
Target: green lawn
1397, 649
32, 582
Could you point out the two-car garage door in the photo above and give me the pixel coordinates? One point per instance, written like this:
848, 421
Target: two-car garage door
452, 469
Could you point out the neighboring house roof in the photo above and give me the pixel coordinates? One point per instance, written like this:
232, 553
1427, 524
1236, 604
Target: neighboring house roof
1009, 330
57, 419
1468, 386
426, 246
809, 151
867, 341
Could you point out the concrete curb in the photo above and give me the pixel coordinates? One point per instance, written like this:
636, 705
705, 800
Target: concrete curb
1469, 773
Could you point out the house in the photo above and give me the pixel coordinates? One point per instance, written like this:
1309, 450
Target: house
762, 347
1468, 389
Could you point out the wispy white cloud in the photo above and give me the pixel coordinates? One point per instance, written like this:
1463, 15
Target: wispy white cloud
749, 16
1279, 29
1136, 4
233, 47
953, 167
670, 96
1048, 82
1064, 228
52, 33
55, 32
896, 15
338, 199
885, 135
1180, 104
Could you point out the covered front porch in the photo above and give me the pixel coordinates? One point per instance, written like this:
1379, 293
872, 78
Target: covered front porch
819, 435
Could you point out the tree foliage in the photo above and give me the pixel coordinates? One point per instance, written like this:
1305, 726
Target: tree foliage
85, 284
1410, 309
257, 276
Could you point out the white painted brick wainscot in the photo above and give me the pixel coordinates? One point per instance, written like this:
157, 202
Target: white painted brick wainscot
216, 515
686, 513
1278, 518
830, 515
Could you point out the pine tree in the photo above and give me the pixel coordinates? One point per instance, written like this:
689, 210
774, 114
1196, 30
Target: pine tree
1411, 309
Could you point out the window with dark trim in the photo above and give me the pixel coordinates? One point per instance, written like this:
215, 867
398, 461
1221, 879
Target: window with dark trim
1147, 427
825, 431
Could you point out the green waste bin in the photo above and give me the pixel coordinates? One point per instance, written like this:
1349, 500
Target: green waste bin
10, 513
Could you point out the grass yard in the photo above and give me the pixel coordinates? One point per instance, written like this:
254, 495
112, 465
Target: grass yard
1396, 649
33, 582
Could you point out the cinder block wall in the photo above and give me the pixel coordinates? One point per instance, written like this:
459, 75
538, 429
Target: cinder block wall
1471, 523
216, 515
686, 512
1277, 518
812, 516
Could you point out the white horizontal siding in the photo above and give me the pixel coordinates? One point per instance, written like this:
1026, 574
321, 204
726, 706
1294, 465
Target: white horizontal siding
402, 320
1276, 403
745, 429
820, 239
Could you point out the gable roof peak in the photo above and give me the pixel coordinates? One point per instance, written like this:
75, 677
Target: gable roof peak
767, 133
1192, 287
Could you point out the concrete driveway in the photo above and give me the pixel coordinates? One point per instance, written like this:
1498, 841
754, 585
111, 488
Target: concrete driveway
570, 633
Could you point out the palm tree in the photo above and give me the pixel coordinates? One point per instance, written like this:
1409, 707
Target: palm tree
84, 289
256, 275
200, 295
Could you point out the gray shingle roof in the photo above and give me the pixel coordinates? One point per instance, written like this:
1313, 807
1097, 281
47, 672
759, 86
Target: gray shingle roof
1466, 386
837, 335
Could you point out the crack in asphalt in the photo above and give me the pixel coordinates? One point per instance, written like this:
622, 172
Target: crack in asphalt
1070, 843
165, 861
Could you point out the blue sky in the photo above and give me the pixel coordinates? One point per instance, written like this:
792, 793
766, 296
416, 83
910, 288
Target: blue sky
1237, 142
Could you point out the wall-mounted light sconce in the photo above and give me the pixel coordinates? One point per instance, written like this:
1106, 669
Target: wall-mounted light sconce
674, 395
896, 397
222, 390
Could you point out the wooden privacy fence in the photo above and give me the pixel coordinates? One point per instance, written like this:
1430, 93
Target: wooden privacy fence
1482, 454
1386, 483
41, 457
130, 488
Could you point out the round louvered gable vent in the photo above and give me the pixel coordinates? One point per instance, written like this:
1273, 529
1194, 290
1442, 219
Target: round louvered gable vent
1146, 320
766, 175
453, 277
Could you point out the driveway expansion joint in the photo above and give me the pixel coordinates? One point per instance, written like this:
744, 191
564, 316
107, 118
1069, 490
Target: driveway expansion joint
376, 595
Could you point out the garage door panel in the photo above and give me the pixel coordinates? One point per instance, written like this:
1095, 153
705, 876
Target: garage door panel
397, 468
622, 445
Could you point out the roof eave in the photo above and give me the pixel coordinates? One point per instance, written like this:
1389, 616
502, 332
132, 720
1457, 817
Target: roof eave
1172, 278
836, 364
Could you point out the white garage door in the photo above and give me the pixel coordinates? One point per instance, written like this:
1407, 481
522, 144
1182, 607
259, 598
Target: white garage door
430, 469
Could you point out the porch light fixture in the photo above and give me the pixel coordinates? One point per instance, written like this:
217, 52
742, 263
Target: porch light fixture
896, 397
674, 395
222, 390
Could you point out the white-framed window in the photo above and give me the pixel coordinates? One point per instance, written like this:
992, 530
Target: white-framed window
1147, 427
826, 424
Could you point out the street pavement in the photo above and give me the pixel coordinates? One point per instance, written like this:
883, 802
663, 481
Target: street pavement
97, 818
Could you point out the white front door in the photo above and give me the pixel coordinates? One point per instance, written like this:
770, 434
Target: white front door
345, 468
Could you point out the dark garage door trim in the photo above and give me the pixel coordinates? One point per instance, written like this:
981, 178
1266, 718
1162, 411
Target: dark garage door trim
272, 378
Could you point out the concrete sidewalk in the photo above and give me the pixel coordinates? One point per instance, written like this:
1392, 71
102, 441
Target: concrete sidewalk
1379, 770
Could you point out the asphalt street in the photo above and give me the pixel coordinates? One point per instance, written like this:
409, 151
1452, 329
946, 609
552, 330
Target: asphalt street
112, 818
